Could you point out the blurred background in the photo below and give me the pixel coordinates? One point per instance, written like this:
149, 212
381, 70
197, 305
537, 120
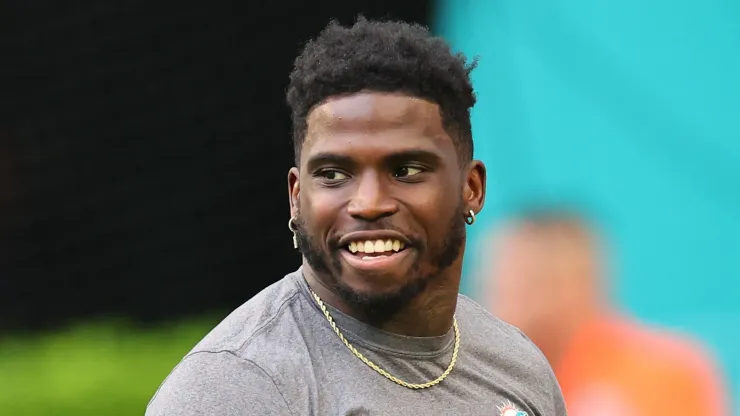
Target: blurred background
144, 151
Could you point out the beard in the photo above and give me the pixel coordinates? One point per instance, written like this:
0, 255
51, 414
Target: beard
378, 308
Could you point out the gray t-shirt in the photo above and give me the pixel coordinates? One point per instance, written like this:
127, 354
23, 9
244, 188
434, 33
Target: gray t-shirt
278, 355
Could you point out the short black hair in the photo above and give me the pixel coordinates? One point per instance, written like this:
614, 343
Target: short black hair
383, 56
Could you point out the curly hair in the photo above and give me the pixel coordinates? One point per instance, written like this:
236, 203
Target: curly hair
383, 56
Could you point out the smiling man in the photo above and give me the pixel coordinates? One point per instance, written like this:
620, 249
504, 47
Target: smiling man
372, 322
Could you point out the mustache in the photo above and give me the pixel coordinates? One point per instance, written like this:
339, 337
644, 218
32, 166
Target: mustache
378, 225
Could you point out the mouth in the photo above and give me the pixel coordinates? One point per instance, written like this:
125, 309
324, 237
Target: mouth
370, 249
375, 254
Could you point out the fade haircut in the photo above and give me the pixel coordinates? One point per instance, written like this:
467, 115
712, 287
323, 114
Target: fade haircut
383, 56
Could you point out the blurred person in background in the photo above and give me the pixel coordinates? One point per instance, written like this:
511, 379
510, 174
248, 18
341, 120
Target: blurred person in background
549, 279
372, 323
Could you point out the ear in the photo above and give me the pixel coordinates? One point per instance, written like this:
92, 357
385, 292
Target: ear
474, 192
294, 190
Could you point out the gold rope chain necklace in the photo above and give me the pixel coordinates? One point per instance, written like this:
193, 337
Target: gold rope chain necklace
380, 370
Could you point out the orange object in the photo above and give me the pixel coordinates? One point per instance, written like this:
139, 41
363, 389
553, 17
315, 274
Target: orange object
615, 367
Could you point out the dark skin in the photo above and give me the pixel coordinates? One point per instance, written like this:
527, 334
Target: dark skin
383, 162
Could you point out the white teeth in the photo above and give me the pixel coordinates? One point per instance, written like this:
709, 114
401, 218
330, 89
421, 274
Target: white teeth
375, 246
369, 247
379, 246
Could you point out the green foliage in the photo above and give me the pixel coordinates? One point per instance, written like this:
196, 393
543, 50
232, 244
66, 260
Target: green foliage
96, 369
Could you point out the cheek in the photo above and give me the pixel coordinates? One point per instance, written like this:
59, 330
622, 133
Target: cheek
318, 209
433, 205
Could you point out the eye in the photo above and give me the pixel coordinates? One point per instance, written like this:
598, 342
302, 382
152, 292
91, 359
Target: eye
333, 175
406, 171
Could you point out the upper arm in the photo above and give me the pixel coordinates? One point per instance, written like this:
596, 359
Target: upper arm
217, 383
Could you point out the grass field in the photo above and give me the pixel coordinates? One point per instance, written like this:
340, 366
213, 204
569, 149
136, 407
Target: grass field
95, 369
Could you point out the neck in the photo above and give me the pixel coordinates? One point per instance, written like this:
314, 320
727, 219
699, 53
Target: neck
429, 314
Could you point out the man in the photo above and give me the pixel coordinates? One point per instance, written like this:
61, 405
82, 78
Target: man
547, 279
372, 322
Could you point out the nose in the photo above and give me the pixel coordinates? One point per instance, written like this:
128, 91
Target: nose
371, 200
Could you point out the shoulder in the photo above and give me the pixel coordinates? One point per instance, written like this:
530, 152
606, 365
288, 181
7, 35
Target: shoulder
217, 383
230, 362
254, 321
519, 362
499, 335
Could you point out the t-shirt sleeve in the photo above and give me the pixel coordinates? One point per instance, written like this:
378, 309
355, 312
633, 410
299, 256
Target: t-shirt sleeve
552, 401
558, 400
217, 383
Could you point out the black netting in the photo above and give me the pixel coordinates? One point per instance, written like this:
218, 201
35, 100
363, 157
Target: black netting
144, 152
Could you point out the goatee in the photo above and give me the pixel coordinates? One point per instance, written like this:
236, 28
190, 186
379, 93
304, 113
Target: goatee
378, 308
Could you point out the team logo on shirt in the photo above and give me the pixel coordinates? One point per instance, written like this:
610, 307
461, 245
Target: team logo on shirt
508, 409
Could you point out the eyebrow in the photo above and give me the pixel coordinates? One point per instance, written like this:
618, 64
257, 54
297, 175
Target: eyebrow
329, 158
420, 155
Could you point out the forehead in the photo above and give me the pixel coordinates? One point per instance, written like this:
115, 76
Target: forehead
378, 122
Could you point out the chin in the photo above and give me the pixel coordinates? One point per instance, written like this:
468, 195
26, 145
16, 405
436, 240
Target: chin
390, 292
372, 284
376, 304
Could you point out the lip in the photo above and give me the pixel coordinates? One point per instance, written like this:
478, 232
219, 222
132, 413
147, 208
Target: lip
373, 235
377, 263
